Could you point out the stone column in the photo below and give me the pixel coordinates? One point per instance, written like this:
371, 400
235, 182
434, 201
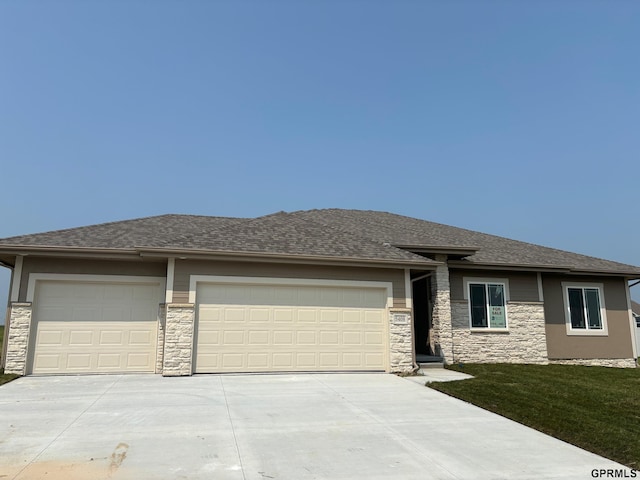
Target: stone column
18, 336
178, 340
442, 333
401, 340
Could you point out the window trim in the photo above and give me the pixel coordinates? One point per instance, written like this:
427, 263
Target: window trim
485, 281
587, 332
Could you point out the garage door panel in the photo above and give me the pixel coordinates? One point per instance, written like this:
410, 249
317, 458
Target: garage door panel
141, 338
80, 338
259, 337
283, 337
328, 360
283, 315
115, 338
94, 327
259, 314
233, 337
138, 360
48, 362
373, 338
321, 328
109, 360
78, 361
52, 337
258, 360
329, 316
232, 360
307, 337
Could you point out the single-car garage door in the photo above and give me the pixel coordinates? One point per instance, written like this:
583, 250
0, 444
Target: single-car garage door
99, 327
255, 328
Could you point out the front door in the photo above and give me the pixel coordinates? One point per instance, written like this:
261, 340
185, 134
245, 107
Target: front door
422, 315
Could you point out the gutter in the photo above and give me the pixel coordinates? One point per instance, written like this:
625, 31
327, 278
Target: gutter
567, 269
157, 252
291, 258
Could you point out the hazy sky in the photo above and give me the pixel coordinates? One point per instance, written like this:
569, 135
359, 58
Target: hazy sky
519, 119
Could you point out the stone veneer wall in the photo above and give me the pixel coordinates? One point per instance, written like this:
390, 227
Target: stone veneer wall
524, 341
18, 334
401, 341
162, 317
599, 362
178, 339
441, 335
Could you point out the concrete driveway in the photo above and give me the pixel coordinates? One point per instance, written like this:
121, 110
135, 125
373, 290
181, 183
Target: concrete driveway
307, 426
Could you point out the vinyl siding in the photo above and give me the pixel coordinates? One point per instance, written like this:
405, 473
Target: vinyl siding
523, 286
562, 346
185, 268
87, 267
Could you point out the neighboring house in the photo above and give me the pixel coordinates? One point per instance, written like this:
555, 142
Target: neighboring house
318, 290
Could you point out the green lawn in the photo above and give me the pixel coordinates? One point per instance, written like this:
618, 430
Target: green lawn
595, 408
4, 378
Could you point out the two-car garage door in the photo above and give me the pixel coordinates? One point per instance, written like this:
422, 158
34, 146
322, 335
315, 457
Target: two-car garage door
94, 327
260, 328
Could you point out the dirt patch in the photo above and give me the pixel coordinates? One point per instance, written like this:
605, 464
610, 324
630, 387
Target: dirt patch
105, 468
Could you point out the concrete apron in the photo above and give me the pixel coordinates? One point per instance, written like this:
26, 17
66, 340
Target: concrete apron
302, 426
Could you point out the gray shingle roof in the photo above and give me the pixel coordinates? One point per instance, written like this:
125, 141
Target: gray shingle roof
492, 250
330, 233
635, 307
277, 234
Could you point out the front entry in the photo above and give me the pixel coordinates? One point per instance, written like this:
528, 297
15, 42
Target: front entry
422, 315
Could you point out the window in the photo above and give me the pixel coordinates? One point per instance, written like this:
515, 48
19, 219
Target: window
487, 304
585, 309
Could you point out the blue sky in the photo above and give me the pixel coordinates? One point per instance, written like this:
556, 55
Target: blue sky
518, 119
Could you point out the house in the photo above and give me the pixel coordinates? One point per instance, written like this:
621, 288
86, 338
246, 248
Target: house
318, 290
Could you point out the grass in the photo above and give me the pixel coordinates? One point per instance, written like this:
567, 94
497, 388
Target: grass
4, 377
594, 408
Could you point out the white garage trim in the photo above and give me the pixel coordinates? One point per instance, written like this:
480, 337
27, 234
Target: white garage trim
17, 277
195, 279
171, 269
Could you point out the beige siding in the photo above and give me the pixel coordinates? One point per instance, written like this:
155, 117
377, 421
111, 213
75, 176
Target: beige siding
562, 346
523, 286
185, 268
87, 267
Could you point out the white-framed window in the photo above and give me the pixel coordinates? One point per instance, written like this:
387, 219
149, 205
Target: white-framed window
585, 311
487, 303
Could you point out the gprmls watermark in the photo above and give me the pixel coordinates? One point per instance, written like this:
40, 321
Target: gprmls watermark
614, 473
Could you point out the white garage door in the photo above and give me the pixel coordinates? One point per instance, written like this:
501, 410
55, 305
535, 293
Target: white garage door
94, 327
254, 328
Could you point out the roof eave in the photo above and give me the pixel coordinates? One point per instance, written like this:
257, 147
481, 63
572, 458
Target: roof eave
158, 252
185, 254
43, 250
568, 269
